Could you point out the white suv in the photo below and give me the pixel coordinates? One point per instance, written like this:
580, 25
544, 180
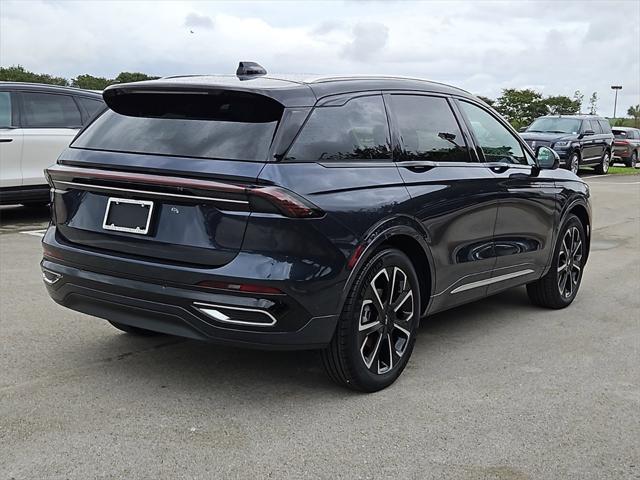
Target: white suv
37, 122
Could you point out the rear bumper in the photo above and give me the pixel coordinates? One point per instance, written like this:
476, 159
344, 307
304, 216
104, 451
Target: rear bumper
266, 321
174, 311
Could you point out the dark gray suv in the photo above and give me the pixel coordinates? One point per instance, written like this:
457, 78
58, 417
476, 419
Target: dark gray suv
579, 140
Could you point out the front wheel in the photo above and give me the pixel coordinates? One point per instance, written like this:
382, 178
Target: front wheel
560, 285
603, 167
574, 162
377, 328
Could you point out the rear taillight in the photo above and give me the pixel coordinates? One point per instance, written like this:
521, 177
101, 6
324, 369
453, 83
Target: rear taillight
287, 203
267, 199
621, 142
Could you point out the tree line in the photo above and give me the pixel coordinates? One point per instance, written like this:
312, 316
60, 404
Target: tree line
519, 106
18, 73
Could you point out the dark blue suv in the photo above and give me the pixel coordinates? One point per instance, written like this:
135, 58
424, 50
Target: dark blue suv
306, 213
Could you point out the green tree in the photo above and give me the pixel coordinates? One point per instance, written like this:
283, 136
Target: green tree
90, 82
634, 111
487, 100
126, 77
561, 105
593, 103
520, 107
578, 97
17, 73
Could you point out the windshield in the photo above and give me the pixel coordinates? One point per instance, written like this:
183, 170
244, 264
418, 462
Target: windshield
555, 125
224, 126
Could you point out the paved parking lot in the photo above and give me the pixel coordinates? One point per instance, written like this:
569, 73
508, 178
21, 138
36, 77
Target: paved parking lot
497, 389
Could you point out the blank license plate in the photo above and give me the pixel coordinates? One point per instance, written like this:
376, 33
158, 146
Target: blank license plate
126, 215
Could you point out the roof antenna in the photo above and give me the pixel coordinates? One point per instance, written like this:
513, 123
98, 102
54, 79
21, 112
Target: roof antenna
249, 69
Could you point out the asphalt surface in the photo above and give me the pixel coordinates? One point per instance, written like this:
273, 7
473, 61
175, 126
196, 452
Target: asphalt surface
497, 389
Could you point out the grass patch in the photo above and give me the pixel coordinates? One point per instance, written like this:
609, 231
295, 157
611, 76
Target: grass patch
623, 171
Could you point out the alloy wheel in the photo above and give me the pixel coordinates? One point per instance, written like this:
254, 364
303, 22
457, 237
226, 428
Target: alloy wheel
570, 262
606, 160
574, 163
386, 320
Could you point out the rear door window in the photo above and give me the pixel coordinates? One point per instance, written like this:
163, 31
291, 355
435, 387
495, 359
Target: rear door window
357, 130
45, 110
497, 143
5, 109
428, 129
227, 125
91, 106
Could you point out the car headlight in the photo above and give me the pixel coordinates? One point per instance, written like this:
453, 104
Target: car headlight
562, 143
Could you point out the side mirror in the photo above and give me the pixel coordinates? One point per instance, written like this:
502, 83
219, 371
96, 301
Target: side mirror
586, 133
547, 158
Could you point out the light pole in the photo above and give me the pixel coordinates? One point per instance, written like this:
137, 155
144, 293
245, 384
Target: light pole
615, 102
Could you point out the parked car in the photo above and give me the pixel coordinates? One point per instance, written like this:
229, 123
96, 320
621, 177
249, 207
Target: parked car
307, 213
626, 145
37, 122
579, 140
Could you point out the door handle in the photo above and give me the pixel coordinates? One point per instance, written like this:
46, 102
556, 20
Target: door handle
6, 140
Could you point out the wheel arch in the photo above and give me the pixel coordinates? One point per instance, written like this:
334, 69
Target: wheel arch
582, 212
407, 235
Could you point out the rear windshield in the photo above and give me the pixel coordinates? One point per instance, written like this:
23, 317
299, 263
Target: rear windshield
222, 125
620, 134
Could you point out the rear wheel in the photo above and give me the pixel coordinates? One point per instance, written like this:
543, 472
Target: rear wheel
603, 167
574, 162
377, 328
559, 286
134, 330
633, 160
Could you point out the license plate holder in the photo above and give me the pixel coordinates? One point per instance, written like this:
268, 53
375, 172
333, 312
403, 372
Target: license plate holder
127, 215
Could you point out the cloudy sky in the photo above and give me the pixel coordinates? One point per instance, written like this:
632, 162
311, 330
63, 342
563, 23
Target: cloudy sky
554, 47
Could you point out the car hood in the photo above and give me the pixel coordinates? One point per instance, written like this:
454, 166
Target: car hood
547, 137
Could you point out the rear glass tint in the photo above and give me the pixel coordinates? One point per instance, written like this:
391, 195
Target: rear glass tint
357, 130
216, 125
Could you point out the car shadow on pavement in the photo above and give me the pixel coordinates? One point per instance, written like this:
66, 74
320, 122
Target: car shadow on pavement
201, 368
23, 215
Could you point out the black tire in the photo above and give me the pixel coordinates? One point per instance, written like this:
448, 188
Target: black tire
633, 160
603, 167
141, 332
559, 287
382, 302
573, 163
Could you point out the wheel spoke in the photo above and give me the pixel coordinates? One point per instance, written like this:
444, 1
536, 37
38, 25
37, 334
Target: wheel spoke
375, 288
373, 356
403, 300
387, 349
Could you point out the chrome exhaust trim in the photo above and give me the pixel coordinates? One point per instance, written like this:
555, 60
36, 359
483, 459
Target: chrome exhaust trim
49, 277
217, 312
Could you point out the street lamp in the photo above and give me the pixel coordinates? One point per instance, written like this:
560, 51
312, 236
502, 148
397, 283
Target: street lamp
615, 102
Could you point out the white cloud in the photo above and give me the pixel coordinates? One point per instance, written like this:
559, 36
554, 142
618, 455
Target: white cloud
195, 20
556, 47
